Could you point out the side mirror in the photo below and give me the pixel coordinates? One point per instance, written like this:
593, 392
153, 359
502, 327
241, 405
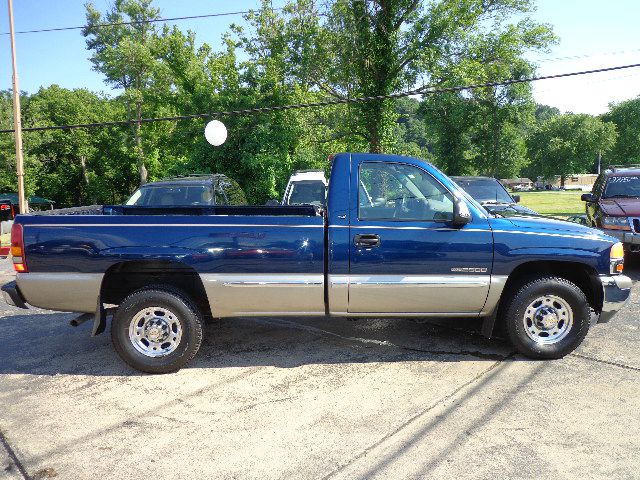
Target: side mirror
588, 197
461, 213
516, 198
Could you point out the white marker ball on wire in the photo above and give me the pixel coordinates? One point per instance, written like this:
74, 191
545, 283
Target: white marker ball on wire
215, 132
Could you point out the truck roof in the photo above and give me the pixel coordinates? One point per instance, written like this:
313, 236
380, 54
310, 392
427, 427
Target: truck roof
302, 175
194, 179
469, 177
623, 172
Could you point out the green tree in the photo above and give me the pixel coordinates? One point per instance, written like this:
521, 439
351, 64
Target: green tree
545, 112
569, 144
626, 117
73, 165
482, 131
126, 53
8, 181
449, 118
377, 48
413, 137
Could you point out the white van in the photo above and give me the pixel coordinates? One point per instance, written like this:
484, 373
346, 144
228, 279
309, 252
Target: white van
306, 187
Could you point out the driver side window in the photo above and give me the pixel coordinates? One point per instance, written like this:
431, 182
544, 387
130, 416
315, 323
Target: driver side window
395, 191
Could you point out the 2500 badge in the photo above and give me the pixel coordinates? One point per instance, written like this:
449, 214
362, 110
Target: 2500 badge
469, 270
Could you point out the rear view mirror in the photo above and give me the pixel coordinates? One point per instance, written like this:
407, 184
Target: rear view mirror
461, 212
587, 197
516, 198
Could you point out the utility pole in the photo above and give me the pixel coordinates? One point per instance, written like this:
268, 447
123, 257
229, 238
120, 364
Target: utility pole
17, 121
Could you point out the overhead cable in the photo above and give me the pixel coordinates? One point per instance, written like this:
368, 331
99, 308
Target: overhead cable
138, 22
426, 90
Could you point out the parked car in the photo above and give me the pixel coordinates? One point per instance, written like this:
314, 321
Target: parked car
614, 205
7, 213
493, 196
415, 245
580, 219
192, 190
306, 187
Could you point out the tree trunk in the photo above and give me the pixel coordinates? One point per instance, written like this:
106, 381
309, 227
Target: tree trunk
142, 169
85, 179
374, 121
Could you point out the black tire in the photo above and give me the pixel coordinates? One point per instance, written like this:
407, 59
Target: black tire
188, 317
527, 293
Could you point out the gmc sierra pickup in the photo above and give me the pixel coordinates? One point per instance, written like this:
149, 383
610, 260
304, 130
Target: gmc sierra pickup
398, 238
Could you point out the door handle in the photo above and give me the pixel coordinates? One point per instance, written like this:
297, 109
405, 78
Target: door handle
367, 240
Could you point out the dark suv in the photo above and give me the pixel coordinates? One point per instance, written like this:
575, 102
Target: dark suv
614, 204
493, 196
212, 189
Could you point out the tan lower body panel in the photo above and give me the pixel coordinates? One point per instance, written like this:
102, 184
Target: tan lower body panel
67, 292
428, 294
264, 294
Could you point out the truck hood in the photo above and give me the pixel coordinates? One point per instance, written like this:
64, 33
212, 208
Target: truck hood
549, 225
627, 207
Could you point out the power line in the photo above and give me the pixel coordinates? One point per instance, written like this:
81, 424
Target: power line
138, 22
590, 83
587, 55
426, 90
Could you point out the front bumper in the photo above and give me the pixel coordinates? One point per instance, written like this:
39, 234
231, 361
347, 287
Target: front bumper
616, 291
628, 238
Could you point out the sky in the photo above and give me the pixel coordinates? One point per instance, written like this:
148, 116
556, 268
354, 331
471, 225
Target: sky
593, 34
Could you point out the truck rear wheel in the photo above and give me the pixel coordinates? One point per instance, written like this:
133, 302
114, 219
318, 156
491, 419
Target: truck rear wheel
548, 317
157, 330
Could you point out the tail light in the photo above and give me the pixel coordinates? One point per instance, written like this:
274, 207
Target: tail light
17, 248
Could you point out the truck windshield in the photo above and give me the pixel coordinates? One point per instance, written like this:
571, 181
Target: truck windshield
622, 186
486, 190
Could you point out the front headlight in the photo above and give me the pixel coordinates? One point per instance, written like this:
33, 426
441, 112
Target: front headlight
616, 258
615, 223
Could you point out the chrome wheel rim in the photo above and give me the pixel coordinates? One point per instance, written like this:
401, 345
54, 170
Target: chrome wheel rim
548, 319
155, 332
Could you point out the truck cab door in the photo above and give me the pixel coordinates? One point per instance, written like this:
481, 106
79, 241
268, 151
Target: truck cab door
405, 254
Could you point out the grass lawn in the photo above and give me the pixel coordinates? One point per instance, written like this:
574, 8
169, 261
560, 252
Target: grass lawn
559, 204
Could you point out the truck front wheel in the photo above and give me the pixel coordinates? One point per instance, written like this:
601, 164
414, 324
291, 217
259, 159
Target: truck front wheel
548, 317
157, 330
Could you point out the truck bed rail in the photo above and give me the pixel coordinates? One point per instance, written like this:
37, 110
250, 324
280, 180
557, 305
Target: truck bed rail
248, 210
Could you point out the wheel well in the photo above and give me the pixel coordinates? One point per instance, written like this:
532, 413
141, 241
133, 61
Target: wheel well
124, 278
585, 277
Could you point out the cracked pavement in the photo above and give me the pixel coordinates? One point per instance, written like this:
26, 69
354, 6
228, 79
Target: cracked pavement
320, 398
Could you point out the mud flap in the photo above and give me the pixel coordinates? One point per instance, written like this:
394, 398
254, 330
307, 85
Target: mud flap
100, 319
488, 323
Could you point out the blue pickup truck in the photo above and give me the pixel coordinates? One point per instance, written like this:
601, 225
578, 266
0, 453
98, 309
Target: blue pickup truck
398, 238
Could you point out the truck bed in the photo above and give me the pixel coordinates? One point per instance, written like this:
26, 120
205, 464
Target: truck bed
234, 250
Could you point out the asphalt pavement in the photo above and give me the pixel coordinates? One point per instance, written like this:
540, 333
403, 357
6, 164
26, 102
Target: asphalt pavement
319, 398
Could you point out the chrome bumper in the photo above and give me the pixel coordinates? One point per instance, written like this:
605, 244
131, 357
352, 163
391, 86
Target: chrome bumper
629, 238
616, 291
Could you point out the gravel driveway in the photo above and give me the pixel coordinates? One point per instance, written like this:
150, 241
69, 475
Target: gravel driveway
319, 398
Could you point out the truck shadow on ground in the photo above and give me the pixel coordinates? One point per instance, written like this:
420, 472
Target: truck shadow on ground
45, 344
